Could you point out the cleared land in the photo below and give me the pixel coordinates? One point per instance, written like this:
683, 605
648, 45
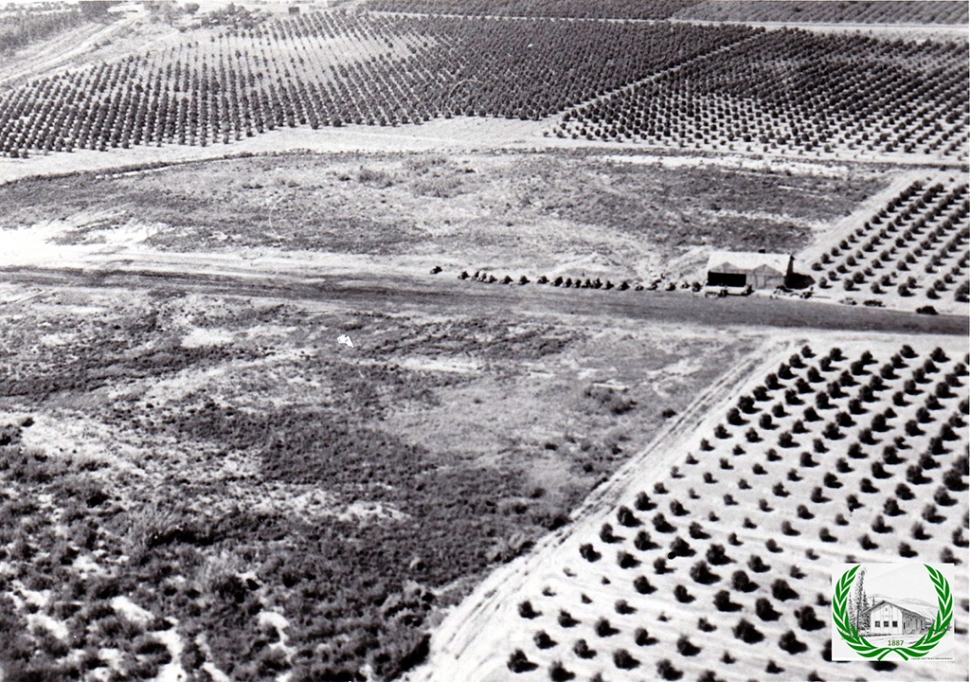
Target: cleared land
215, 460
556, 212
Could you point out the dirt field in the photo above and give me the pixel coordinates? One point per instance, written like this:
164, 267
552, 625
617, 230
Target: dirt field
565, 212
189, 439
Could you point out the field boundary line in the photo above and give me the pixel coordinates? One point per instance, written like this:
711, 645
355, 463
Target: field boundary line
864, 211
934, 30
500, 17
921, 29
462, 630
654, 76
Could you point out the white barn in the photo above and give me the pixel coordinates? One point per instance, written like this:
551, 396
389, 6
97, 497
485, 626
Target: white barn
902, 617
749, 268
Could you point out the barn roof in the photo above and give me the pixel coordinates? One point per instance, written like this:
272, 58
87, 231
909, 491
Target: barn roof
748, 260
919, 607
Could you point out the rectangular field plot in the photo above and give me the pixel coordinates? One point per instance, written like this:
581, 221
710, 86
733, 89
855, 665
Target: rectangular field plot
718, 567
794, 92
913, 253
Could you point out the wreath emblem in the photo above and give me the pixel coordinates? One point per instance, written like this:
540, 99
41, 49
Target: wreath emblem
917, 649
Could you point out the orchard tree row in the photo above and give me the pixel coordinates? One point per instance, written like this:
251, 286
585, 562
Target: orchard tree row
916, 247
808, 11
854, 456
789, 11
572, 9
334, 68
796, 91
679, 85
28, 25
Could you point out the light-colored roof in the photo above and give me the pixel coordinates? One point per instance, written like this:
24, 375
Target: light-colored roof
748, 260
917, 606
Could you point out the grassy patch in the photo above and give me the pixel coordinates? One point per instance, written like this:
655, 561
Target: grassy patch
551, 205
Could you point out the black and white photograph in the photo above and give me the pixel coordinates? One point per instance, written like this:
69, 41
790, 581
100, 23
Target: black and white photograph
484, 340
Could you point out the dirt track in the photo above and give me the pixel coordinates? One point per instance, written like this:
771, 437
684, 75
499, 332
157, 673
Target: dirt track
443, 293
461, 635
63, 50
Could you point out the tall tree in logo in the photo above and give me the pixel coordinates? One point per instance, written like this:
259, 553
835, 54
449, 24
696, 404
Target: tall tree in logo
851, 610
860, 603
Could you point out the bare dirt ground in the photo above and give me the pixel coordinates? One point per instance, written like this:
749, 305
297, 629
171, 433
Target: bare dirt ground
148, 392
572, 213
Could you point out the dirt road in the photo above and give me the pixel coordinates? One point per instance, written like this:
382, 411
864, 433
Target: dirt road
63, 50
443, 293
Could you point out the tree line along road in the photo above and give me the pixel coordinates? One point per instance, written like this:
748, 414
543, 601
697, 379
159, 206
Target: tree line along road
397, 292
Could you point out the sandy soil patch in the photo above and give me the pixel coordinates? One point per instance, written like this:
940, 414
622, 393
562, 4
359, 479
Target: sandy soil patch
172, 671
43, 622
198, 337
130, 610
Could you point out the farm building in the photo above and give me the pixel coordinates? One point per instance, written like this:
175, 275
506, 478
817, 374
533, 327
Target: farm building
902, 618
747, 268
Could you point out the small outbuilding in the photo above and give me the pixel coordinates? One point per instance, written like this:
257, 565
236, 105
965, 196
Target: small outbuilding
749, 268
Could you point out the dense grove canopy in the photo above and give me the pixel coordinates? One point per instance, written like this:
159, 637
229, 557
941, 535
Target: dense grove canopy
333, 68
797, 90
882, 12
26, 25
